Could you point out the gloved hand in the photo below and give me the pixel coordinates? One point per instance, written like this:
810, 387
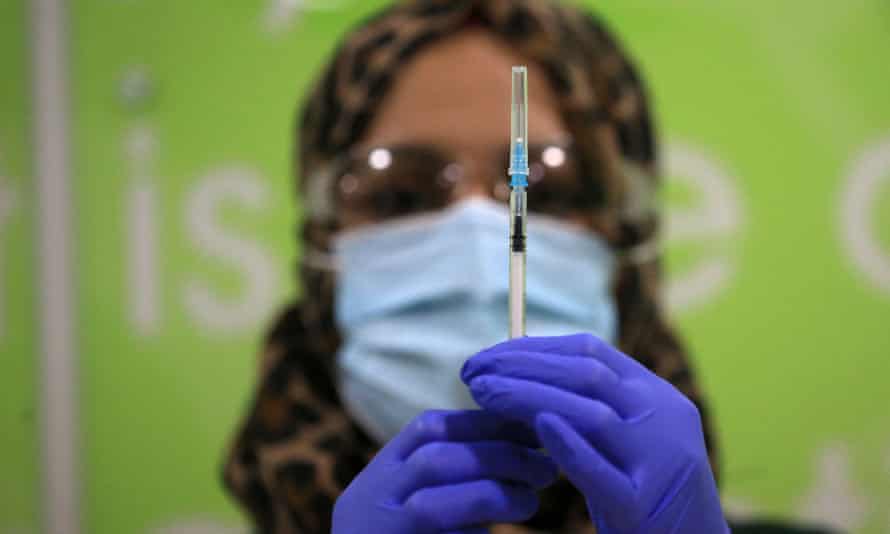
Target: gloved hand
628, 440
447, 471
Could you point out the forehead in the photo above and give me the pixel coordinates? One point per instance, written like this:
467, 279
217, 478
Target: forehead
456, 93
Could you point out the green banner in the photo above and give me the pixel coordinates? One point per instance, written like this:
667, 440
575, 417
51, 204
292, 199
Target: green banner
19, 443
776, 125
183, 113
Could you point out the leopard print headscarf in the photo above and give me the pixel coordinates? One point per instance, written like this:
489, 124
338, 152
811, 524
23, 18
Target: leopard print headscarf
298, 448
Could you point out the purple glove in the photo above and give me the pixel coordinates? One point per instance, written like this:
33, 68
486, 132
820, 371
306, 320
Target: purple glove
628, 440
447, 471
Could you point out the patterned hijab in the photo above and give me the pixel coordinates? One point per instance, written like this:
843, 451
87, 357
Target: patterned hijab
298, 448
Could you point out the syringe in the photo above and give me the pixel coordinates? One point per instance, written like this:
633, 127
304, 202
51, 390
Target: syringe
518, 173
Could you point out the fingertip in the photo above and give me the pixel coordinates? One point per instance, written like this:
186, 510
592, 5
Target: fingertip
590, 344
487, 395
552, 435
480, 384
480, 390
482, 363
494, 393
525, 499
532, 504
466, 370
547, 423
551, 474
582, 463
542, 469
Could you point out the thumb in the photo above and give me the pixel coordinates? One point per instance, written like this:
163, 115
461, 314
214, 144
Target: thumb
593, 474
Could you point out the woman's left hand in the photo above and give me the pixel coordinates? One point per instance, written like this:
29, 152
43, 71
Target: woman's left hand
628, 440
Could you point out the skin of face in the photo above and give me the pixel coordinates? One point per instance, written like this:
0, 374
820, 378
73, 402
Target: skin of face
455, 95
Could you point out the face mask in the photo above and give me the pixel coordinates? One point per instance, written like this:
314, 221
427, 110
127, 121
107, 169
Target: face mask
416, 297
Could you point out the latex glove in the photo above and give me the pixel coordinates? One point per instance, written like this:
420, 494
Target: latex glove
628, 440
447, 471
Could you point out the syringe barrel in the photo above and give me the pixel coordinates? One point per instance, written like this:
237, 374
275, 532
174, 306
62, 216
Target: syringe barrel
518, 173
516, 302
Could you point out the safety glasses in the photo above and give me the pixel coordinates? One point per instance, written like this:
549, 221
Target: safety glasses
382, 183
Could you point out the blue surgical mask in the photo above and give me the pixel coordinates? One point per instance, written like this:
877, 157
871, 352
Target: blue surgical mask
416, 297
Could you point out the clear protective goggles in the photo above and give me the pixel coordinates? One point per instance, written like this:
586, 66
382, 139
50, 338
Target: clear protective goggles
381, 183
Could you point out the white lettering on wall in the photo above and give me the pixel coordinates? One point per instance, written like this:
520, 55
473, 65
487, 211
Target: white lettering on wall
716, 219
143, 275
280, 16
869, 173
834, 499
239, 186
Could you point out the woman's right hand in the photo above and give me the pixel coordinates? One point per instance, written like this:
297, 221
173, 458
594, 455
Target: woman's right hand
447, 472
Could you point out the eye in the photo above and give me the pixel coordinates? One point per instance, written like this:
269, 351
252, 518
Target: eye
450, 176
396, 201
348, 184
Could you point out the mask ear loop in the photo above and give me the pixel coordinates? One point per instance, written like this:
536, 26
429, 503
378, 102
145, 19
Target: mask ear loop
642, 253
319, 209
320, 259
318, 197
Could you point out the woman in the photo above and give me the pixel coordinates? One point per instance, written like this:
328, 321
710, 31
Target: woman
366, 417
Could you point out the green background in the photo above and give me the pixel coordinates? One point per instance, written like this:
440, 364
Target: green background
19, 442
792, 349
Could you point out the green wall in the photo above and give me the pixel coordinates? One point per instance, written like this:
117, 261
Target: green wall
774, 114
19, 441
793, 347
